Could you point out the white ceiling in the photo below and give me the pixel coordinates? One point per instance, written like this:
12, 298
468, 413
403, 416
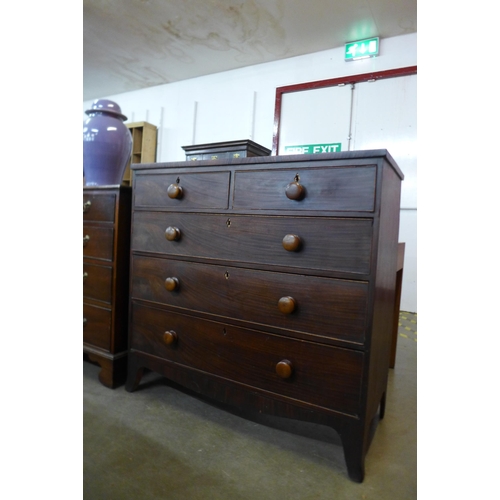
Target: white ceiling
134, 44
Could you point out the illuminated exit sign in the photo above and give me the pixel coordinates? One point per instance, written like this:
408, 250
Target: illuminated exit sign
361, 49
310, 149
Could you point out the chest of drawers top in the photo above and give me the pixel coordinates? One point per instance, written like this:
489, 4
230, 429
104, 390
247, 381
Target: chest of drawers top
336, 182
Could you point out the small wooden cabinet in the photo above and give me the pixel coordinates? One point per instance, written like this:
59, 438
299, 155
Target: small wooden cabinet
144, 136
269, 283
222, 150
106, 246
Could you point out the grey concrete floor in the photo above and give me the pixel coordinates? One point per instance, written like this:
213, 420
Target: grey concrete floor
161, 442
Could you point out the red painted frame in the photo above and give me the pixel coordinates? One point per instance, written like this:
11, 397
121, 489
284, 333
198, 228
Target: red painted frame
343, 80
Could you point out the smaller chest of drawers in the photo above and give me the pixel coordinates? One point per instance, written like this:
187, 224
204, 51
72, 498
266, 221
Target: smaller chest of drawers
106, 247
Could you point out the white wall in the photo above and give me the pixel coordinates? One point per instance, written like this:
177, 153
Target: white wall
239, 104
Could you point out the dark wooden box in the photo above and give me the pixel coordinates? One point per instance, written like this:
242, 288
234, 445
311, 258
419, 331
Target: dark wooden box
222, 150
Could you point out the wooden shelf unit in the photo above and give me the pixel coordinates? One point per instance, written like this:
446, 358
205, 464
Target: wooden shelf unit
143, 146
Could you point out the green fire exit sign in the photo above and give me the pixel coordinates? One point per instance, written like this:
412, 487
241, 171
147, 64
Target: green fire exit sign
310, 149
361, 49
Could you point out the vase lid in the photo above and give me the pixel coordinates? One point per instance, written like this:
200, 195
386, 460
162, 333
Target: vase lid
107, 106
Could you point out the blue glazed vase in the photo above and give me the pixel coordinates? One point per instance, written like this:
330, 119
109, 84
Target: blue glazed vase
107, 144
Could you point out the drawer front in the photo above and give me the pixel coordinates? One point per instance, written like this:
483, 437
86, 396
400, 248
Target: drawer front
335, 189
99, 207
326, 307
219, 155
209, 190
97, 326
98, 242
97, 282
332, 244
320, 375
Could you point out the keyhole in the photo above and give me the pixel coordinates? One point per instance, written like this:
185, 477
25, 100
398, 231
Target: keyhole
224, 331
226, 275
228, 222
297, 178
178, 180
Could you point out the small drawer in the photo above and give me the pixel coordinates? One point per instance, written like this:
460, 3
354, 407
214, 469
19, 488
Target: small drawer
97, 282
99, 207
316, 374
333, 189
98, 242
97, 326
208, 190
324, 307
217, 156
332, 244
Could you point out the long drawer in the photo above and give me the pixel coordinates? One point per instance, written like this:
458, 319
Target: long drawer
316, 374
97, 282
336, 189
333, 244
326, 307
97, 326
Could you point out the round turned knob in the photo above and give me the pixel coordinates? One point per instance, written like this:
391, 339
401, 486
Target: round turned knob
294, 191
284, 369
170, 337
172, 233
291, 242
287, 305
171, 284
174, 191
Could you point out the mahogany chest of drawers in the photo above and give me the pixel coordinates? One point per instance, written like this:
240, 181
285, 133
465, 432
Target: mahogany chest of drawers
106, 250
268, 283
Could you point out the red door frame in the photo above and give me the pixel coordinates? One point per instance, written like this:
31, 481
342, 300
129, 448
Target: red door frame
343, 80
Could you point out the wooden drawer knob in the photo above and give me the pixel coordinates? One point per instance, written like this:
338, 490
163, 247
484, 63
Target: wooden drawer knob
170, 337
287, 305
174, 191
172, 233
86, 206
294, 191
291, 242
171, 284
284, 369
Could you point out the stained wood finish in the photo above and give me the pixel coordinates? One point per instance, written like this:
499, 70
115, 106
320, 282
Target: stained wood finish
97, 282
199, 191
301, 332
97, 326
98, 207
342, 189
250, 357
222, 150
106, 224
98, 242
330, 308
337, 245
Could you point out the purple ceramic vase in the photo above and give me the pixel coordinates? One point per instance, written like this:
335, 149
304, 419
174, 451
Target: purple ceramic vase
107, 144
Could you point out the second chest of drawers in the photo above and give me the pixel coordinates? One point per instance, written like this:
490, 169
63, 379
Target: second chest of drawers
106, 247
